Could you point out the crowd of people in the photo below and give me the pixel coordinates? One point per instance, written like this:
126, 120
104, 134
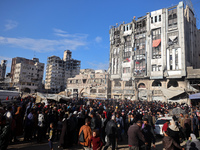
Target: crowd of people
97, 124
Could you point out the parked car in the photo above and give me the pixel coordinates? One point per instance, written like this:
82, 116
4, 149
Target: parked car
159, 124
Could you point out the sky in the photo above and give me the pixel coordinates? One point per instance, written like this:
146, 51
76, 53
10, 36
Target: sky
42, 28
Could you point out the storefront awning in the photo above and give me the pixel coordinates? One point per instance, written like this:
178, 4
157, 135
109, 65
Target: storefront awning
172, 92
156, 43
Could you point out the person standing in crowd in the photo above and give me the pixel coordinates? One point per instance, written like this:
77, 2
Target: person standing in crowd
95, 140
187, 126
40, 127
28, 126
135, 136
103, 127
165, 126
111, 133
64, 134
120, 126
51, 136
93, 120
173, 132
19, 122
86, 132
169, 143
148, 133
181, 120
195, 124
4, 133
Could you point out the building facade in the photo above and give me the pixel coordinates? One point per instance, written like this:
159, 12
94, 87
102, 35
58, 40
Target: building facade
3, 69
26, 74
89, 83
153, 52
59, 70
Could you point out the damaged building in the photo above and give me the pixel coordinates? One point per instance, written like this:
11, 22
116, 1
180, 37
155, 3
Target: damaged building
59, 70
89, 83
150, 56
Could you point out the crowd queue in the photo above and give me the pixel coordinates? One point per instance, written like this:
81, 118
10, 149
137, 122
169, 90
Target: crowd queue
98, 124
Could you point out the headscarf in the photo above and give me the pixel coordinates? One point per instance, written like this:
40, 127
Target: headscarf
193, 137
173, 126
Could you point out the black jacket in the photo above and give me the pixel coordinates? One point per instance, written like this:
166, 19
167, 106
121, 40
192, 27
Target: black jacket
148, 134
111, 128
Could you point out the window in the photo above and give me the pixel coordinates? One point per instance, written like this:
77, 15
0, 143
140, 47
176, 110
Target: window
126, 70
151, 19
153, 67
172, 18
156, 44
159, 18
155, 18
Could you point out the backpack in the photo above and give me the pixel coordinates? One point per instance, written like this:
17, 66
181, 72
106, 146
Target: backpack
81, 137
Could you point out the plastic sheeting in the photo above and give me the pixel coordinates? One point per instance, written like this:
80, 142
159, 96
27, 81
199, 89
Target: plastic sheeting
172, 92
44, 96
194, 96
177, 111
156, 43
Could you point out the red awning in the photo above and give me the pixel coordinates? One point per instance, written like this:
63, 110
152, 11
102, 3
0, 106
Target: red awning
156, 43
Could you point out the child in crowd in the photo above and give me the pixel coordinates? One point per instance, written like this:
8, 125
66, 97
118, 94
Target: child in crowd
51, 136
95, 140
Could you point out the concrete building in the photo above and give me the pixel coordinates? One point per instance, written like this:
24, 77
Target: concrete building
151, 54
3, 69
26, 74
59, 70
88, 83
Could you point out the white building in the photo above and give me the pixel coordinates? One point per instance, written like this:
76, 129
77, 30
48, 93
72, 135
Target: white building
59, 70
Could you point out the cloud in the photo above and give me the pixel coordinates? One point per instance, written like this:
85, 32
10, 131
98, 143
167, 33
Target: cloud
10, 24
61, 33
98, 39
68, 41
99, 65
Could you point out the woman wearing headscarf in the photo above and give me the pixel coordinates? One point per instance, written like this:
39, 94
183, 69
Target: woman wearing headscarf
173, 131
193, 143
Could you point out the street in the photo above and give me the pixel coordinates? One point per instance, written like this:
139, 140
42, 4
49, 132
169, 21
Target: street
33, 145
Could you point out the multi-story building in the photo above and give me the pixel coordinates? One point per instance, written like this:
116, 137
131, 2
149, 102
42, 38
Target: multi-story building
89, 83
59, 70
26, 74
151, 54
3, 69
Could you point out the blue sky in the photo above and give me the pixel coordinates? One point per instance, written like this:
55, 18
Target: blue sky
42, 28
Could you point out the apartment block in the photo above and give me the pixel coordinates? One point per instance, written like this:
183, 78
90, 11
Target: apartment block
59, 70
153, 52
26, 74
88, 83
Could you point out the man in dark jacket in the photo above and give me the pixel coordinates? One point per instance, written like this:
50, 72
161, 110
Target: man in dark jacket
94, 123
111, 132
148, 133
135, 136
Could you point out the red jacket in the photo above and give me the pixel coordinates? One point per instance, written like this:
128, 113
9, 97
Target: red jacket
96, 142
165, 126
